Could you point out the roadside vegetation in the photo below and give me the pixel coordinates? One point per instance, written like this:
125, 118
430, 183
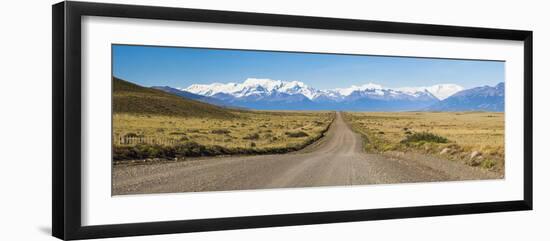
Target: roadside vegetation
474, 138
152, 124
250, 132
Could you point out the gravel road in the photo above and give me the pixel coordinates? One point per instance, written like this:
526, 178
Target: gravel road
337, 159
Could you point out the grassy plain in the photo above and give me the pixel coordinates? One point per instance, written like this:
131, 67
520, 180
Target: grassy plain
249, 131
475, 138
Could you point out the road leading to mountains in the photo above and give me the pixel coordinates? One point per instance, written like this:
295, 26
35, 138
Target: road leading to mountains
337, 159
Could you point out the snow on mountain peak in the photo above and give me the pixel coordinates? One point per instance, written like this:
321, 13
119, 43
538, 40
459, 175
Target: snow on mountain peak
351, 89
253, 86
441, 91
211, 89
264, 87
265, 83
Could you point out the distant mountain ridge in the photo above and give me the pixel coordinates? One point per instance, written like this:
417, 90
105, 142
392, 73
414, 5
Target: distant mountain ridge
441, 91
189, 95
485, 98
265, 87
267, 94
270, 94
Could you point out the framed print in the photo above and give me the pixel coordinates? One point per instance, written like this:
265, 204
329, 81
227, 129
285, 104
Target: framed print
172, 120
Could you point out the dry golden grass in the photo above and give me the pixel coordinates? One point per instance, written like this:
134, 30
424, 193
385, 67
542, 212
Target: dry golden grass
467, 132
149, 123
251, 129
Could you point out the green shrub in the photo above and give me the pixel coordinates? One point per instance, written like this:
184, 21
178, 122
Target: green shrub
296, 134
424, 137
488, 163
140, 151
252, 136
176, 133
220, 131
318, 123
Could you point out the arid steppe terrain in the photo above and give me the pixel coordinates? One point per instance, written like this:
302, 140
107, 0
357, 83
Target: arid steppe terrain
167, 143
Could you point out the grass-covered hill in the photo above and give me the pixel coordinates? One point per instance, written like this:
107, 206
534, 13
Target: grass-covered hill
135, 99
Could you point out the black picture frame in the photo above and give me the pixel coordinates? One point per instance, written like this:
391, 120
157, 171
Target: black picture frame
66, 76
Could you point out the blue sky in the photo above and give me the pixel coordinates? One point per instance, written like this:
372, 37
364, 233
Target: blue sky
181, 67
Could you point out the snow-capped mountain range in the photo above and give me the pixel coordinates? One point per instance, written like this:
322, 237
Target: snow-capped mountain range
253, 86
266, 87
441, 91
267, 94
483, 98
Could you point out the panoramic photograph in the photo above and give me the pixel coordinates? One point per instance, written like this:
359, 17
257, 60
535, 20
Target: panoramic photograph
200, 119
